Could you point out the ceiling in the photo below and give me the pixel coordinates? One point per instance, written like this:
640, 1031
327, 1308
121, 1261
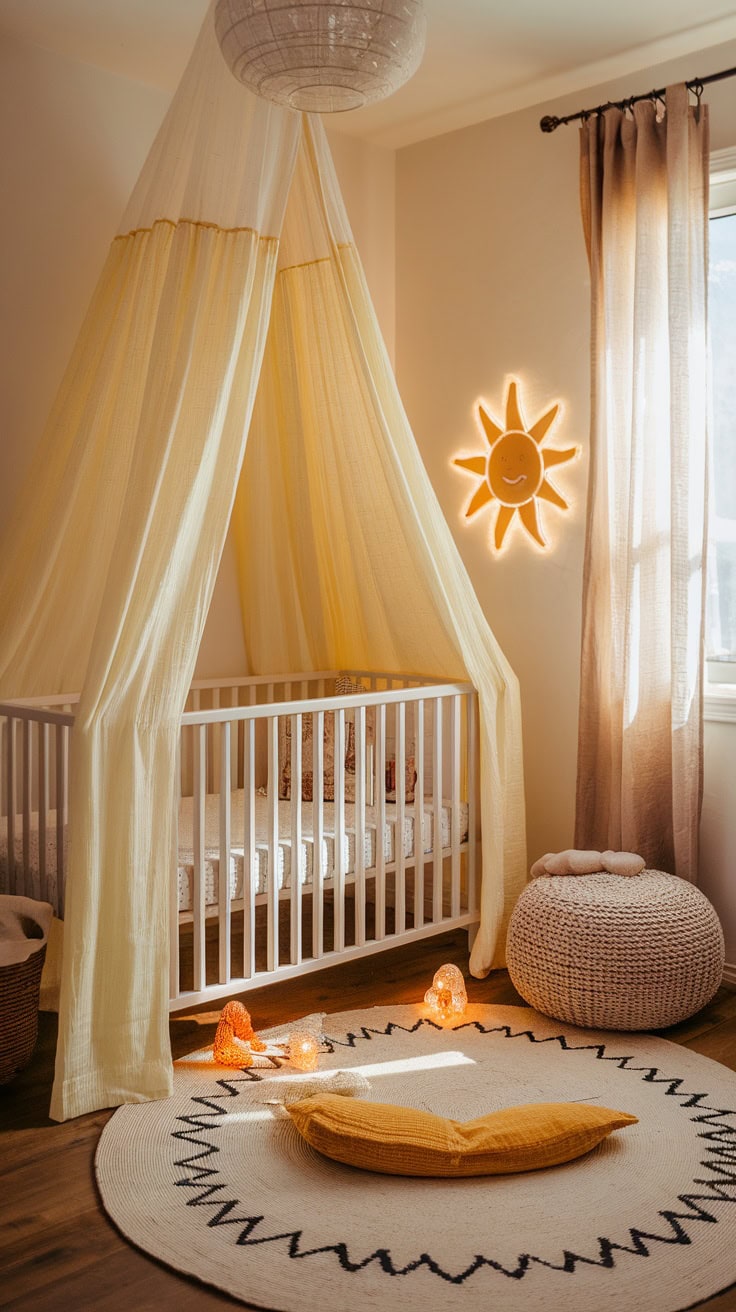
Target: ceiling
483, 57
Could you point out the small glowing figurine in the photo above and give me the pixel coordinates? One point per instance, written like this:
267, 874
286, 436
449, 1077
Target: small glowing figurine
236, 1040
303, 1050
447, 997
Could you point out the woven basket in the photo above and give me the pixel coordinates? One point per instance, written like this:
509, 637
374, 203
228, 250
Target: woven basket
613, 953
20, 985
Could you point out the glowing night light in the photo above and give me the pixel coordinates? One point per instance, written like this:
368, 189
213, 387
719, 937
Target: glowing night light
514, 469
303, 1050
447, 998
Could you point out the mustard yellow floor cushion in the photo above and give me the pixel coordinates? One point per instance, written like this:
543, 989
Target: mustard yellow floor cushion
403, 1141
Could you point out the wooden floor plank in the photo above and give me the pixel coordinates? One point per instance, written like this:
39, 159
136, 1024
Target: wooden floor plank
58, 1250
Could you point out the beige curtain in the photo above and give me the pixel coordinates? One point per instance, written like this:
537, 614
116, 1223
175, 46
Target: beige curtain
644, 183
345, 557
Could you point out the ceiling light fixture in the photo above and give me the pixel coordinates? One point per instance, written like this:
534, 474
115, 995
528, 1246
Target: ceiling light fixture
322, 56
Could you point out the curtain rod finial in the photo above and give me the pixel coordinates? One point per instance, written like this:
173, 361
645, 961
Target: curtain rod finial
549, 123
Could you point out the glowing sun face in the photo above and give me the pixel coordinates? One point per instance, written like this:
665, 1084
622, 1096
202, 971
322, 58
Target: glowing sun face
514, 469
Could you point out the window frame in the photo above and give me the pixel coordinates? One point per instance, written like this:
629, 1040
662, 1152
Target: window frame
720, 689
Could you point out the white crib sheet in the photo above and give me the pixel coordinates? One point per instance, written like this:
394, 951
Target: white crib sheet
185, 873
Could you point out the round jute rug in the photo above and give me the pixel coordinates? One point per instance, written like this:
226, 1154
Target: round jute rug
217, 1184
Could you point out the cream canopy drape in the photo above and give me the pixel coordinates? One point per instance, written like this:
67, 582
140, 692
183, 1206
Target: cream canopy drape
644, 184
337, 521
112, 558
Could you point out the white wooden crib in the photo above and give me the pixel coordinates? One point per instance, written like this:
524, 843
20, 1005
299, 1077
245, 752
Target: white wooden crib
363, 866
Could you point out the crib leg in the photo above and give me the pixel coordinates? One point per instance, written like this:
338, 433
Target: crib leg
472, 935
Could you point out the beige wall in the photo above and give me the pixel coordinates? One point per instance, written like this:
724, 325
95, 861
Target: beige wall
492, 281
72, 140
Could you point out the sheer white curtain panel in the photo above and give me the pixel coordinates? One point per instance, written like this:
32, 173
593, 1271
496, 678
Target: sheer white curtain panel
644, 188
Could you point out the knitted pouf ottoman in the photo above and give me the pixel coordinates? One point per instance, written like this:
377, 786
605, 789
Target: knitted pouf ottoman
613, 953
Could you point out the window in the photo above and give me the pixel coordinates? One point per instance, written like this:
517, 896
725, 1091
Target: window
721, 603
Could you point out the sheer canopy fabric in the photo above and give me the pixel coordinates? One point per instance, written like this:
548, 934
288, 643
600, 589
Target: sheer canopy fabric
109, 567
345, 558
644, 187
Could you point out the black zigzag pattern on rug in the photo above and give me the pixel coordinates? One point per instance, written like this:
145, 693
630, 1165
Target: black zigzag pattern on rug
719, 1136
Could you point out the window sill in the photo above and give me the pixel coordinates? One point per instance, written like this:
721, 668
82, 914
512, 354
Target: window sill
719, 702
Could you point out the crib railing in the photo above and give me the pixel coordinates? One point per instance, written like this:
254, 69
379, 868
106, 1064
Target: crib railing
34, 798
266, 883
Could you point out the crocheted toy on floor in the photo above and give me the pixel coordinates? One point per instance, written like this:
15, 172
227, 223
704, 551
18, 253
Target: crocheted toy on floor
236, 1040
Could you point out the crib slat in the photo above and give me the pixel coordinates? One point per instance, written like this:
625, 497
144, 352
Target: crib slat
437, 811
26, 786
239, 752
318, 830
174, 979
380, 822
224, 894
188, 758
369, 755
360, 791
43, 811
455, 804
11, 790
249, 851
338, 873
199, 800
272, 910
213, 760
195, 700
399, 855
249, 700
472, 703
62, 757
298, 875
234, 741
419, 817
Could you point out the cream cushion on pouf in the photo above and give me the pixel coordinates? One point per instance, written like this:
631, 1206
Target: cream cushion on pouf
613, 953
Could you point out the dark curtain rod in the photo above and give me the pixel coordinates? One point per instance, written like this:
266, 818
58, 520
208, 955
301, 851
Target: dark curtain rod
550, 121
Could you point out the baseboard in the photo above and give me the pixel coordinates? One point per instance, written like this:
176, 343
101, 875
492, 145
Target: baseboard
729, 974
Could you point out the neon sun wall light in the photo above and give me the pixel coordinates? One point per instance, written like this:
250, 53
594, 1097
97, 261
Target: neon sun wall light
513, 471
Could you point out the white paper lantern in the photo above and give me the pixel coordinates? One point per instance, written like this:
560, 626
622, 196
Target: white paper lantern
322, 55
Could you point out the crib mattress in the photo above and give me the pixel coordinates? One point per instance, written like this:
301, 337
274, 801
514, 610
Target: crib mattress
284, 849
